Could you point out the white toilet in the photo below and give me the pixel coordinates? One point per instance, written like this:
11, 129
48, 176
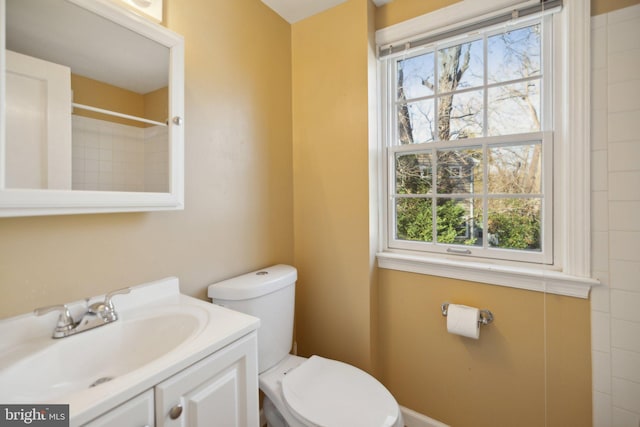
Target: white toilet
298, 391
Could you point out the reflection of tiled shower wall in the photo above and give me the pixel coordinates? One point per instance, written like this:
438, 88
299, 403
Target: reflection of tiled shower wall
114, 157
156, 159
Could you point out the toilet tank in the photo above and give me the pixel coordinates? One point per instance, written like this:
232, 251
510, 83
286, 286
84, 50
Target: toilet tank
268, 294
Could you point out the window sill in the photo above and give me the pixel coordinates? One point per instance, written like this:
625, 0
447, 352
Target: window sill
528, 278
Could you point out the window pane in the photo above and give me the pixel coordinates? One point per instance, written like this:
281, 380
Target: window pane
460, 66
413, 173
414, 220
514, 54
415, 76
515, 224
459, 171
447, 190
415, 122
460, 116
514, 108
455, 221
516, 169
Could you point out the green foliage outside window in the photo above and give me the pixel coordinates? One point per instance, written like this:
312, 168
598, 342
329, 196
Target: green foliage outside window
516, 225
415, 221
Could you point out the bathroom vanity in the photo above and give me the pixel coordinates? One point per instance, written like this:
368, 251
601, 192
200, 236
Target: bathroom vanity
169, 360
214, 390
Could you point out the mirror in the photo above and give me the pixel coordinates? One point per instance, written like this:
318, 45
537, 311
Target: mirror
92, 119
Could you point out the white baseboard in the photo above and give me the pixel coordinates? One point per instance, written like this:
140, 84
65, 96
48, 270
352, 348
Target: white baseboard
412, 418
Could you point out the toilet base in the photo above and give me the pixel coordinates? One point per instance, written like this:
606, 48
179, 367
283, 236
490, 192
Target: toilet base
271, 413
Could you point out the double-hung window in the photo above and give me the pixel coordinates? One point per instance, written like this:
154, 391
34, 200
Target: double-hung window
469, 144
485, 165
485, 149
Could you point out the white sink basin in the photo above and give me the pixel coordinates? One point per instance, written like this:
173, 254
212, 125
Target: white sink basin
159, 332
49, 369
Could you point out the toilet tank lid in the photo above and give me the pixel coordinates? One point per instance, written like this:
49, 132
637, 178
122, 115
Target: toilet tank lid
254, 284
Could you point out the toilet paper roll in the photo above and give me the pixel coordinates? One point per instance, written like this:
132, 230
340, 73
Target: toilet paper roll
463, 320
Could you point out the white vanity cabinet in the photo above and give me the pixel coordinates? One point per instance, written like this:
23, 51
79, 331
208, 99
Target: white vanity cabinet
137, 412
221, 390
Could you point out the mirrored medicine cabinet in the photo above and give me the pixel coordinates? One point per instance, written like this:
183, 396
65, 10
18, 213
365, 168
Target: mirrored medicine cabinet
91, 110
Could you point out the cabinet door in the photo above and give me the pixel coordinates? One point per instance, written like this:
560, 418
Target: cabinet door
38, 114
219, 391
137, 412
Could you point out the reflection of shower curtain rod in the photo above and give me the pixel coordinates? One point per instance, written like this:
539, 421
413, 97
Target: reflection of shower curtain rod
113, 113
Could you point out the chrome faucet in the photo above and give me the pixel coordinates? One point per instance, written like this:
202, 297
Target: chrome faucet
96, 314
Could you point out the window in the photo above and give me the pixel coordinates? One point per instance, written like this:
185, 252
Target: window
502, 145
469, 140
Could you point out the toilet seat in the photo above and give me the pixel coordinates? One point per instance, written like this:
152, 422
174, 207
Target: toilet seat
325, 392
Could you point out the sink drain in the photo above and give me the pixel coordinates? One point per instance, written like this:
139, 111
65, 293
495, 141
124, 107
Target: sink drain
100, 381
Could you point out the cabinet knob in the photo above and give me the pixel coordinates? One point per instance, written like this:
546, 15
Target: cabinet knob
175, 412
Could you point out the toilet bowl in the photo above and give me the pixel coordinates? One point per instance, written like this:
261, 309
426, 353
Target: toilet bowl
301, 392
324, 392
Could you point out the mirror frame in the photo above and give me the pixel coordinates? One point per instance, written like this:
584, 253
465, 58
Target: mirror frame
35, 202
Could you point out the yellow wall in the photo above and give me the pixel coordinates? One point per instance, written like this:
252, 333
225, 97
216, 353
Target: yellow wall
238, 211
331, 200
401, 10
102, 95
152, 105
604, 6
156, 105
531, 367
536, 353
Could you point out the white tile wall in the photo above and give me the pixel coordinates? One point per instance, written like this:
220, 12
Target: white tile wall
602, 409
156, 159
615, 139
116, 157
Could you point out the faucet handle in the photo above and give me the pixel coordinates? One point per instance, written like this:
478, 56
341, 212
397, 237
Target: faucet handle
65, 321
109, 295
105, 309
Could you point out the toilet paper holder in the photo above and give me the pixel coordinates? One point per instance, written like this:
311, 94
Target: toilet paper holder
486, 316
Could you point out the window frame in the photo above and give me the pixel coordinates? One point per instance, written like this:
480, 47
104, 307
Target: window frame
569, 271
544, 136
